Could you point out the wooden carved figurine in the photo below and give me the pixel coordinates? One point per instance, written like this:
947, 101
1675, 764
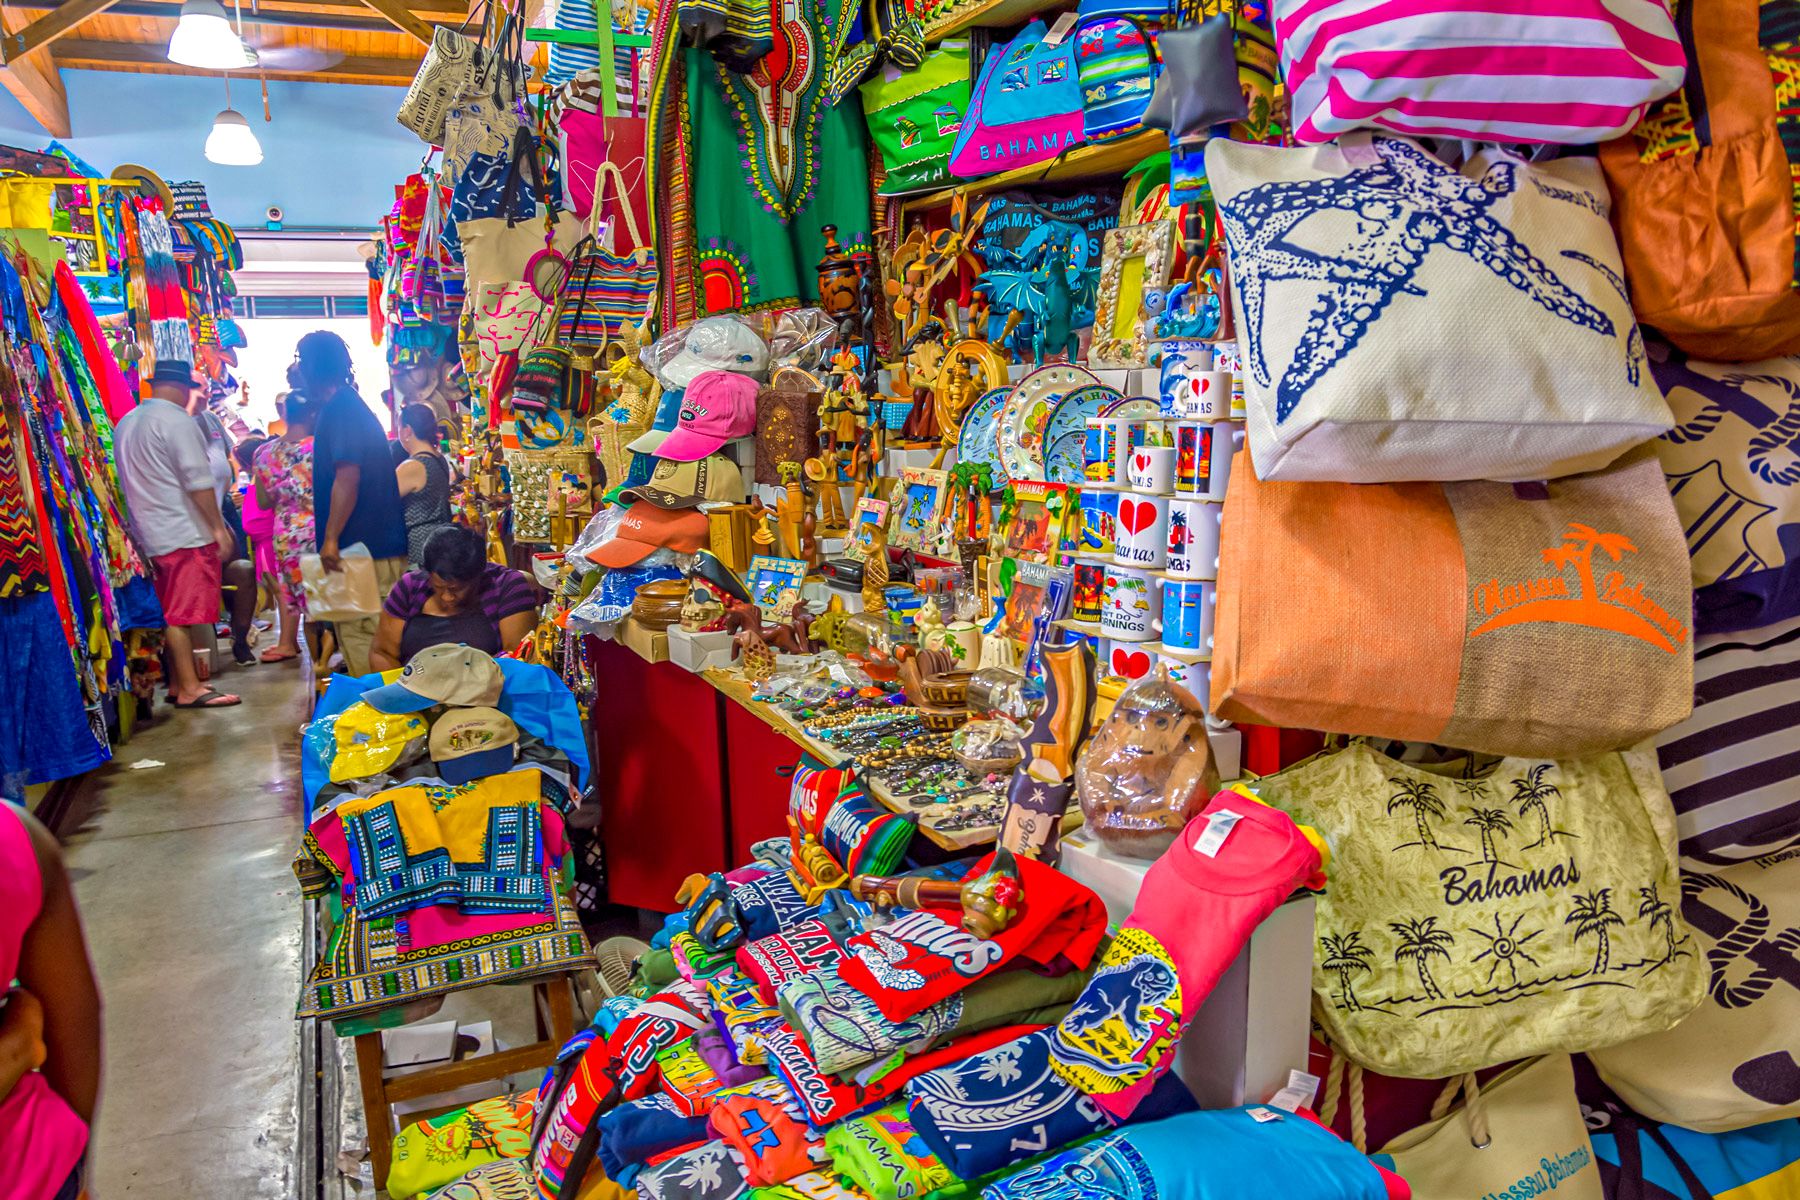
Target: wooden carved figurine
822, 472
875, 571
792, 511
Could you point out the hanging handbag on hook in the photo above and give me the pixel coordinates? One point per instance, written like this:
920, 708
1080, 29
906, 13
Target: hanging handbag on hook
455, 67
607, 290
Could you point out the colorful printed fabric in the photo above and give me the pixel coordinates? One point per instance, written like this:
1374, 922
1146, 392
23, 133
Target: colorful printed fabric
830, 805
781, 957
503, 1179
22, 564
440, 1150
828, 1099
635, 1131
925, 956
479, 845
670, 1016
693, 961
884, 1156
709, 1172
769, 1132
284, 469
716, 1050
375, 963
742, 1016
1199, 905
844, 1028
1226, 1154
813, 1185
686, 1079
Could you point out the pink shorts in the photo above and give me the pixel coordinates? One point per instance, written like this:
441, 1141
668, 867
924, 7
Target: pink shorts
189, 586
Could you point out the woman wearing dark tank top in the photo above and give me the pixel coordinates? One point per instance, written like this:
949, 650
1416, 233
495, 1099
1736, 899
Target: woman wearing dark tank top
424, 480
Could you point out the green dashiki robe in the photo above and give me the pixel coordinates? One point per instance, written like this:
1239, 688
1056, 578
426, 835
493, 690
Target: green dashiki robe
768, 162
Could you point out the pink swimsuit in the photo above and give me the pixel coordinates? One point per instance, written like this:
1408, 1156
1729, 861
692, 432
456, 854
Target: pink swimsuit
41, 1138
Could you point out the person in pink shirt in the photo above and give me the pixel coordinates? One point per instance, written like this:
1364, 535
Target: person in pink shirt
50, 1025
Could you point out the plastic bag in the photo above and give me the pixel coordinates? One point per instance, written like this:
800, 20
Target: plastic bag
1147, 769
726, 343
345, 595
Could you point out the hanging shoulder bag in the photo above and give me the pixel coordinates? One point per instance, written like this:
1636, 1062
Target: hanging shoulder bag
606, 289
1485, 910
1025, 108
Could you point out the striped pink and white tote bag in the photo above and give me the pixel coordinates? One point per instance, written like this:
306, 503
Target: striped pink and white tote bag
1557, 71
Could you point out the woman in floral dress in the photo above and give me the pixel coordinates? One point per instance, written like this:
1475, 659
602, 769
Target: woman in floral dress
283, 479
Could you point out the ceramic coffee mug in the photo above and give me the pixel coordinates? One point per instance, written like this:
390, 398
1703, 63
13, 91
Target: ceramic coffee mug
1151, 469
1194, 538
1127, 660
1099, 520
964, 643
1187, 613
1090, 585
1203, 452
1128, 604
1196, 677
1183, 362
1142, 539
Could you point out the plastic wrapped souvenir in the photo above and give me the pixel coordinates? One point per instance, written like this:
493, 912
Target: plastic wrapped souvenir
1148, 769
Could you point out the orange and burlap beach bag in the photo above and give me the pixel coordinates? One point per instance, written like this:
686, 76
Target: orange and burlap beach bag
1545, 619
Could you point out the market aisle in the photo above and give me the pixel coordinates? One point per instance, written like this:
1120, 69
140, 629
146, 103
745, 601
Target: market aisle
194, 921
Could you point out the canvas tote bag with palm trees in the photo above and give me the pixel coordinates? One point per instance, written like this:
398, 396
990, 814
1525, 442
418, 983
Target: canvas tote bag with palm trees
1484, 910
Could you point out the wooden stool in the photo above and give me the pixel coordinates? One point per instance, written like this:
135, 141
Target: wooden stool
553, 998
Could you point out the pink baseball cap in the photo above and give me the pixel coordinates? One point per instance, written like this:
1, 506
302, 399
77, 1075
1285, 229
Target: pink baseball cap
717, 406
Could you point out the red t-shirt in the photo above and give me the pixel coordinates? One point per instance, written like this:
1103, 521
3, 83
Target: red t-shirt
925, 956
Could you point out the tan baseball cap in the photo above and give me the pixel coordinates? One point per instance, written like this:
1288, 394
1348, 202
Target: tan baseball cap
457, 675
713, 479
468, 743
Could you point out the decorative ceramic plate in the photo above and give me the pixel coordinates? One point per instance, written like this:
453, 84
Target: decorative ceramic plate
978, 439
1132, 407
1065, 437
1027, 412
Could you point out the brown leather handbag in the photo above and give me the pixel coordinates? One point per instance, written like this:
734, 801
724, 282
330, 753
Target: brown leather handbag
1703, 201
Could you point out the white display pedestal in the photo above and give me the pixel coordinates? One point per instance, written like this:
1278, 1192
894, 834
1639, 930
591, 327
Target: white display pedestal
1252, 1030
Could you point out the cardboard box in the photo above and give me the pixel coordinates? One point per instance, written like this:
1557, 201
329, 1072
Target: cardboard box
413, 1044
699, 651
651, 645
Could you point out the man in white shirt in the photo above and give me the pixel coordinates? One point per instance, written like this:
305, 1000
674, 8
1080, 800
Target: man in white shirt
161, 457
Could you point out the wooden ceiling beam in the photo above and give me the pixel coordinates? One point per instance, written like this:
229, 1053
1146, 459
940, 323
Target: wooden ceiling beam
443, 11
90, 54
36, 84
402, 18
52, 25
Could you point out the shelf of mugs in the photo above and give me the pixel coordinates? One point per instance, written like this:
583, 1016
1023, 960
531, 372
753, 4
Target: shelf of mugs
1084, 162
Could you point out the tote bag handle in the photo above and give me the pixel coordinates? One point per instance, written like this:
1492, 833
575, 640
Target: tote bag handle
610, 170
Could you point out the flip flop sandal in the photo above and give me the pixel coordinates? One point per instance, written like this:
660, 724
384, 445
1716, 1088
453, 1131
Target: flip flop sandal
205, 700
276, 656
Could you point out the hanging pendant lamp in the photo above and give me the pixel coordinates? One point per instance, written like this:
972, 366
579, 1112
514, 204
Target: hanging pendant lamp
204, 38
232, 143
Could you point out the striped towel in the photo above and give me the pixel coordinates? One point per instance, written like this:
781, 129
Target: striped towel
1733, 767
1558, 71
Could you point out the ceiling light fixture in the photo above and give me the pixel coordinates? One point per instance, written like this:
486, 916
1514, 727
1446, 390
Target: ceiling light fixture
232, 143
204, 38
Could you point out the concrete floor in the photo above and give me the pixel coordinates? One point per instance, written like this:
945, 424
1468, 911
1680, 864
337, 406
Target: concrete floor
194, 922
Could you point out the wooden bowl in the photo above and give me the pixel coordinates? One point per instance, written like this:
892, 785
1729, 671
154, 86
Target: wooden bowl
948, 689
658, 605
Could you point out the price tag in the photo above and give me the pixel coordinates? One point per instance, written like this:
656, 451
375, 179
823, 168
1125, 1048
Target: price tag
1263, 1116
1218, 828
1299, 1092
1061, 29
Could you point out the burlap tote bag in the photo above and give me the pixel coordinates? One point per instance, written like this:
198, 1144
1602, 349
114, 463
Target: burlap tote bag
1513, 619
1521, 1135
1732, 1063
1484, 910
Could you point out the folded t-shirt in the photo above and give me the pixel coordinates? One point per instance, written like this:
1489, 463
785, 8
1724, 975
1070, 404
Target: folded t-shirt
767, 1129
741, 1014
814, 1185
926, 956
1217, 1154
716, 1051
881, 1154
707, 1172
845, 1029
687, 1080
770, 904
827, 1099
774, 960
633, 1132
1233, 865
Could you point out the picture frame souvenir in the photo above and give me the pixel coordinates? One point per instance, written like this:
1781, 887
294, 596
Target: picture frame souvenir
1027, 592
870, 514
1037, 522
775, 585
1134, 260
916, 512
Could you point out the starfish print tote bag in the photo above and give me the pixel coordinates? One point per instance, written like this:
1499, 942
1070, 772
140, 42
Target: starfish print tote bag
1484, 910
1401, 319
1733, 1062
1543, 619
